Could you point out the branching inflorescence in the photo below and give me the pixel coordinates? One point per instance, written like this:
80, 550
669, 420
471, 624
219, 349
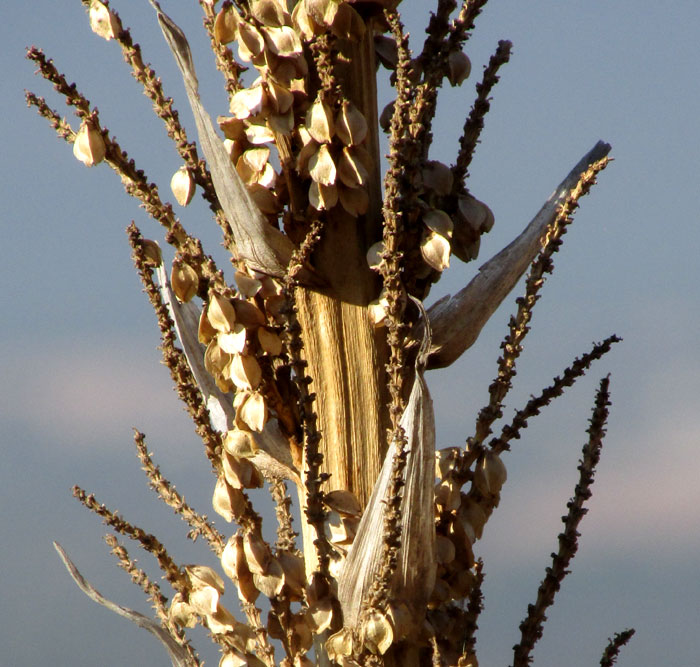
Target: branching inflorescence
329, 274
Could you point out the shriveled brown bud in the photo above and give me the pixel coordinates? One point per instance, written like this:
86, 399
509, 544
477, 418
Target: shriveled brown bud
319, 122
102, 21
183, 186
89, 145
459, 67
152, 254
184, 280
226, 25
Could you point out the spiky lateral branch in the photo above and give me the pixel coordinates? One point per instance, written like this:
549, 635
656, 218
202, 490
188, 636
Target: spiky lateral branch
531, 627
612, 650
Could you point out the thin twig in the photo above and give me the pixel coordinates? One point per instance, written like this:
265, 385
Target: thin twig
614, 645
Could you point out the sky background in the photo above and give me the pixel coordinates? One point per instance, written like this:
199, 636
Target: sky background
78, 342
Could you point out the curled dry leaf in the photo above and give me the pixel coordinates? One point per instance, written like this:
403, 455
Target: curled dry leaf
183, 186
102, 21
184, 280
89, 145
435, 249
221, 313
319, 122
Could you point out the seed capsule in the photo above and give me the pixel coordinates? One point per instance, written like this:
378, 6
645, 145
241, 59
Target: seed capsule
460, 67
185, 280
226, 25
221, 313
439, 222
89, 145
102, 21
319, 121
436, 251
183, 186
350, 124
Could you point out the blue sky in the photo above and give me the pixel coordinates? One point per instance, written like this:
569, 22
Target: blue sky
80, 366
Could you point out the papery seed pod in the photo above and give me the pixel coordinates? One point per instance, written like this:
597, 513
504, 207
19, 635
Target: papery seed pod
204, 600
472, 513
351, 170
490, 473
226, 25
248, 314
271, 583
257, 130
183, 186
268, 12
302, 638
235, 148
323, 197
281, 123
347, 23
387, 53
247, 285
244, 371
233, 128
319, 121
303, 23
241, 473
234, 565
401, 619
221, 313
250, 42
215, 359
152, 255
440, 594
283, 41
321, 614
339, 645
437, 177
223, 622
377, 633
89, 145
343, 501
350, 124
294, 574
322, 168
184, 280
377, 311
257, 552
256, 158
264, 199
445, 460
203, 575
322, 11
439, 222
354, 200
386, 116
181, 613
459, 67
233, 659
270, 342
248, 101
436, 251
239, 443
252, 411
476, 213
309, 149
102, 21
281, 98
234, 342
227, 501
444, 549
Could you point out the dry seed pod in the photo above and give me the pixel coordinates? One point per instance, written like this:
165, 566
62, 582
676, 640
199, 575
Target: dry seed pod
215, 359
182, 613
444, 549
221, 313
322, 197
321, 614
248, 101
348, 24
234, 342
283, 41
257, 553
257, 130
472, 513
302, 639
102, 21
439, 222
264, 199
377, 311
294, 574
309, 149
152, 255
233, 128
204, 600
226, 25
250, 42
240, 473
271, 583
386, 116
435, 249
183, 186
339, 645
377, 633
248, 314
239, 443
252, 411
354, 200
387, 53
351, 171
281, 123
350, 124
247, 285
234, 565
270, 342
223, 622
322, 167
460, 67
184, 280
245, 372
89, 145
303, 23
476, 213
227, 501
437, 177
344, 502
282, 99
322, 11
268, 12
319, 121
202, 575
490, 474
445, 460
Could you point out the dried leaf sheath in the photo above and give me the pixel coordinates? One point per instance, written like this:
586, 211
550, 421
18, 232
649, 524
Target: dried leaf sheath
413, 580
